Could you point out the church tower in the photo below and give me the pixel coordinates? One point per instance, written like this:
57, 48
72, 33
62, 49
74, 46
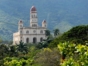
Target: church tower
44, 24
20, 25
33, 17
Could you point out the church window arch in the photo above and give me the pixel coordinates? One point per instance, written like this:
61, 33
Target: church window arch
34, 31
41, 31
20, 31
34, 40
27, 32
27, 40
41, 39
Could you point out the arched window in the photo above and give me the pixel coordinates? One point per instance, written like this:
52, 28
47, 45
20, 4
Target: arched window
20, 31
27, 40
34, 31
34, 40
41, 31
41, 39
27, 32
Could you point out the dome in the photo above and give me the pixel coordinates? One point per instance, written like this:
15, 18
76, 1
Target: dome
33, 8
44, 21
20, 21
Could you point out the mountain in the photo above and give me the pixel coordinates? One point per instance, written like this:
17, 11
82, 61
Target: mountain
62, 14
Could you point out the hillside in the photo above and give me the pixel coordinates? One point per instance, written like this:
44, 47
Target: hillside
62, 14
77, 35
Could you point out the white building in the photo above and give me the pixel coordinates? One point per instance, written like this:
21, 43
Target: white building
32, 34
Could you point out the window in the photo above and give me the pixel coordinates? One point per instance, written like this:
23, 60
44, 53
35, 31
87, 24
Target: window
34, 25
20, 31
34, 31
27, 32
27, 40
41, 39
41, 31
34, 40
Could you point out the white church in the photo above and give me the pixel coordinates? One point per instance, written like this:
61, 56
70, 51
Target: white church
32, 34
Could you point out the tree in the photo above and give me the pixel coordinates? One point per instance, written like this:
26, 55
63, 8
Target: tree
22, 47
73, 55
56, 32
47, 33
4, 51
47, 57
12, 51
77, 34
45, 42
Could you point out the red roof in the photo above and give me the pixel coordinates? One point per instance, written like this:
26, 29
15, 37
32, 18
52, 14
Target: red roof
33, 8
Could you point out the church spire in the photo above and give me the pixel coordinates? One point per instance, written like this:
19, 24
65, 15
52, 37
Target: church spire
33, 17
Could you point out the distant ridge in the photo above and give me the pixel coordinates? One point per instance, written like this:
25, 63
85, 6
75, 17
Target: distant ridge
62, 14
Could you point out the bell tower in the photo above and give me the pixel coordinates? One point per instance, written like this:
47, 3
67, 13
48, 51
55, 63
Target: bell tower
33, 17
20, 25
44, 23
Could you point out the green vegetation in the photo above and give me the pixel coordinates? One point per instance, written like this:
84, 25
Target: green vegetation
56, 50
78, 34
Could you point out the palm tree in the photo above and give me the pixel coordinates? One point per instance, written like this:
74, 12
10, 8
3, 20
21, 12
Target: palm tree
56, 32
12, 51
47, 32
22, 47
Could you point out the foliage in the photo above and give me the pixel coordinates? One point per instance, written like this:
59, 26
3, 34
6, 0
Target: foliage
56, 32
58, 51
74, 55
69, 62
47, 33
4, 51
15, 62
13, 51
22, 59
47, 57
53, 43
66, 49
78, 34
21, 47
45, 42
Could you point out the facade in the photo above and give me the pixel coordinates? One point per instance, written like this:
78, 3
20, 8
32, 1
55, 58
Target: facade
32, 34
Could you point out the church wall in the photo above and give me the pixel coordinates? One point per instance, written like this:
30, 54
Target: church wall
16, 38
31, 38
32, 33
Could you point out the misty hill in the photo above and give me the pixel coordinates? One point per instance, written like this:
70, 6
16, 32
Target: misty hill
62, 14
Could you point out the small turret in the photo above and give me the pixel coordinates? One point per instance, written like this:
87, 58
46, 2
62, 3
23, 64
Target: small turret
44, 23
20, 25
